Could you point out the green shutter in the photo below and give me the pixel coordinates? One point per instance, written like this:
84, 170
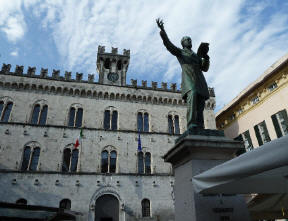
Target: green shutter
284, 114
267, 137
276, 125
260, 142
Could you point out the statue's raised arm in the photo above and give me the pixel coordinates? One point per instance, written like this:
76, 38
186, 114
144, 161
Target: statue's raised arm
194, 87
168, 44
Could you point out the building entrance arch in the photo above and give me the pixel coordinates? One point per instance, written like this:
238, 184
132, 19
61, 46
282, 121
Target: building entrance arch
107, 208
106, 194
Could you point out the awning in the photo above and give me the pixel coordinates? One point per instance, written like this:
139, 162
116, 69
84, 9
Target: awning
262, 170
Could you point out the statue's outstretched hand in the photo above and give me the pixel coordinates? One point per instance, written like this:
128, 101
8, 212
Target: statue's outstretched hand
160, 23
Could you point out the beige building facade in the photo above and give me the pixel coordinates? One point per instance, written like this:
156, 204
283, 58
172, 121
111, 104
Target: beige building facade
42, 116
259, 113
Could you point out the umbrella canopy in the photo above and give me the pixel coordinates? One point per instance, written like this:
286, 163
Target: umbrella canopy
262, 170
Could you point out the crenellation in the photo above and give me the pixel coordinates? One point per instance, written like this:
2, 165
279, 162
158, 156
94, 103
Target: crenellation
44, 72
19, 69
31, 71
55, 74
6, 68
114, 50
79, 76
173, 87
126, 52
101, 49
154, 85
144, 84
164, 85
134, 82
67, 75
90, 78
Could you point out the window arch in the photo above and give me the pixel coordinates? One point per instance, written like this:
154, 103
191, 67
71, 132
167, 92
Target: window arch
65, 204
75, 116
21, 201
31, 156
144, 162
140, 162
110, 118
146, 208
39, 113
173, 123
6, 105
70, 159
143, 121
108, 161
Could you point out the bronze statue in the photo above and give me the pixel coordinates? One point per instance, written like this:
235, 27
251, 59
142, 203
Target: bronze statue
194, 87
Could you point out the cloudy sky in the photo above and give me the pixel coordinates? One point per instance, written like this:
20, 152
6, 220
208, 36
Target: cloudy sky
245, 37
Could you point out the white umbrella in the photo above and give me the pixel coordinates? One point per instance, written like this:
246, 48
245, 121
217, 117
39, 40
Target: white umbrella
262, 170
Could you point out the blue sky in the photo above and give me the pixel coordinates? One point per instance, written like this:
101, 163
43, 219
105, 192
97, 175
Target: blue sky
245, 37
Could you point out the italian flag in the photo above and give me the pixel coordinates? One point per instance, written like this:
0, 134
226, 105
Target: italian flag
78, 141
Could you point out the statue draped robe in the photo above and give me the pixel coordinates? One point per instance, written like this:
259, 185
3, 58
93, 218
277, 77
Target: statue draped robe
193, 86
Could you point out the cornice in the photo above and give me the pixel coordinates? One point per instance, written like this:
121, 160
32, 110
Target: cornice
3, 171
85, 128
246, 105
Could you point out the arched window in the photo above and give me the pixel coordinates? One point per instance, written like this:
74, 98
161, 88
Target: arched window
112, 165
110, 119
75, 116
34, 159
5, 109
70, 160
140, 162
147, 163
66, 160
31, 156
108, 161
146, 208
39, 113
144, 163
35, 114
173, 124
65, 204
143, 121
104, 162
21, 201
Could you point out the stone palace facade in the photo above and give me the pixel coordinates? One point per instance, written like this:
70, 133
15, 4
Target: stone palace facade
109, 176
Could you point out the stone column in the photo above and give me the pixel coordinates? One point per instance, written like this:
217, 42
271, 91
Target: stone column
195, 152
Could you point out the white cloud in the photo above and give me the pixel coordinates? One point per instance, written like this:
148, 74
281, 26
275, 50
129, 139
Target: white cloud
12, 20
14, 28
243, 40
14, 53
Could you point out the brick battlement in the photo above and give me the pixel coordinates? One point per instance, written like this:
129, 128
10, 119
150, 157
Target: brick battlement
55, 75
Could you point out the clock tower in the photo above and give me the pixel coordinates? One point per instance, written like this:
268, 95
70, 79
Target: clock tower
112, 67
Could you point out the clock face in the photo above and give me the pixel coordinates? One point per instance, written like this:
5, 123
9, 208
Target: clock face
113, 77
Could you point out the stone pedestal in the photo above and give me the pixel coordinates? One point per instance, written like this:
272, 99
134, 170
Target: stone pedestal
194, 154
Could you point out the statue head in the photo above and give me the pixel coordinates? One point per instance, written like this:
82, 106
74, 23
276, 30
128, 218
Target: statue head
186, 42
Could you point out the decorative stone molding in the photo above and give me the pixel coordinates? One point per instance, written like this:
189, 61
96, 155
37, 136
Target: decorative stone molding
45, 87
